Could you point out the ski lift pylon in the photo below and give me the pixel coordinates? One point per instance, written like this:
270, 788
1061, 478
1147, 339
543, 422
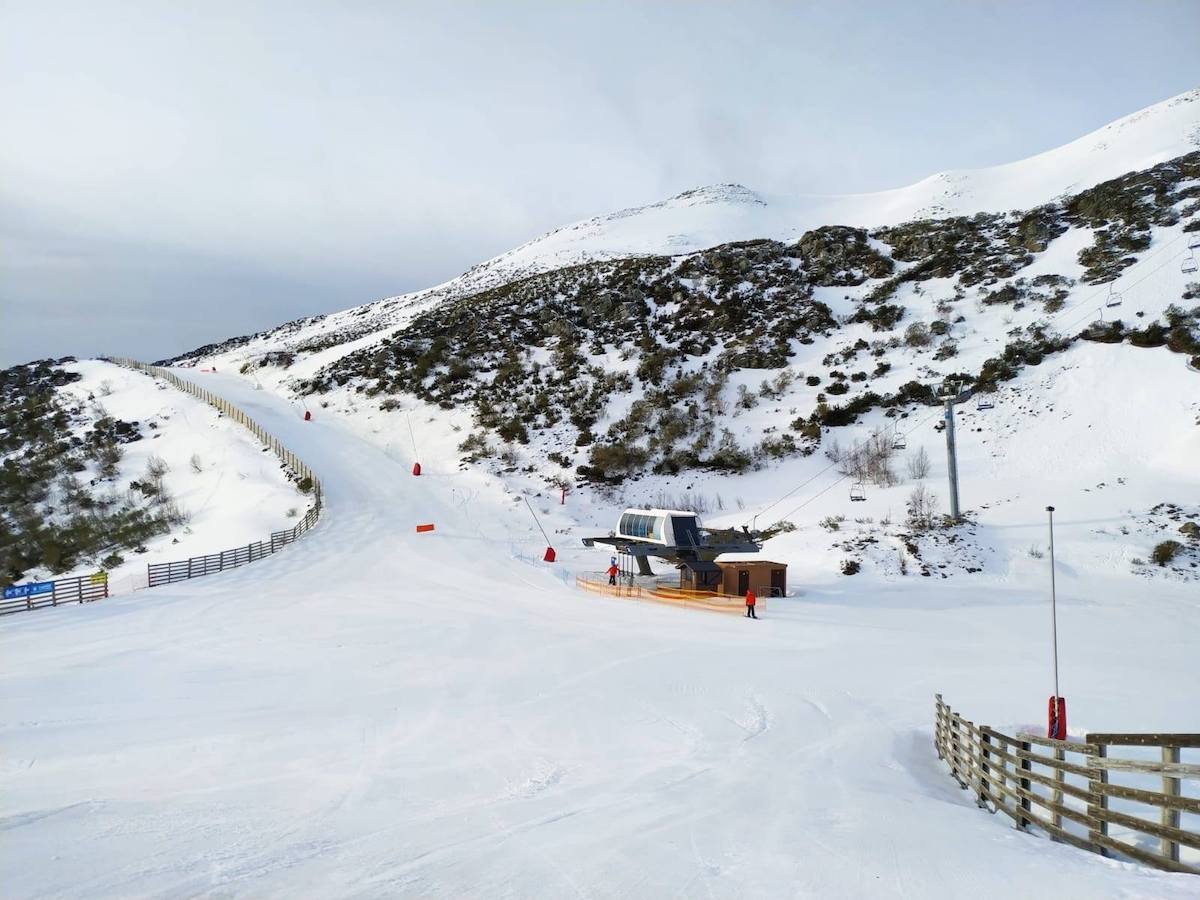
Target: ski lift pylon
858, 491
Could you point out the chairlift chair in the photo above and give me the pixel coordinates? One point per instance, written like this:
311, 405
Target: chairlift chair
1194, 242
1189, 265
983, 401
899, 442
1114, 297
858, 491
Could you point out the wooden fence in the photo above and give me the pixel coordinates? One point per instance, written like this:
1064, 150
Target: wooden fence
1077, 792
196, 566
673, 596
81, 589
181, 570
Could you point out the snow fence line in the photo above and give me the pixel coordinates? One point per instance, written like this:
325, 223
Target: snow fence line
1098, 811
196, 566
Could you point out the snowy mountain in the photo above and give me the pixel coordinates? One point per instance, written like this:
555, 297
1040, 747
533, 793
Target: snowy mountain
719, 214
705, 217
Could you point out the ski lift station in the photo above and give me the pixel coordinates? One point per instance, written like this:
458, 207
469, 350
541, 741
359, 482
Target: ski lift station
678, 537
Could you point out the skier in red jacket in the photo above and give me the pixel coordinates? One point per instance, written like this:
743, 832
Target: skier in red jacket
750, 601
613, 571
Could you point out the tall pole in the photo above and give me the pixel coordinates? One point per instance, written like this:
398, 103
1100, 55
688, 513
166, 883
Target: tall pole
951, 459
1053, 602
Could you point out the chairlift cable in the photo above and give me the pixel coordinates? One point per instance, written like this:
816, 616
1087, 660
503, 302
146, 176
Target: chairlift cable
1088, 312
838, 481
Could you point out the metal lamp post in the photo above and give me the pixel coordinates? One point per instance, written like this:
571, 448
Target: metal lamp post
1057, 711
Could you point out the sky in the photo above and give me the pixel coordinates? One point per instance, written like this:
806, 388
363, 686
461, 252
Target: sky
174, 174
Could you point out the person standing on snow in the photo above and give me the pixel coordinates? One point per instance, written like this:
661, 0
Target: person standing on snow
612, 573
750, 601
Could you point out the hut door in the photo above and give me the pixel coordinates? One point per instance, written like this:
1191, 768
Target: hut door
743, 581
778, 582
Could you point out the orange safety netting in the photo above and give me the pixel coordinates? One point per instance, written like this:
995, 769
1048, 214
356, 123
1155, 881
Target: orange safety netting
670, 595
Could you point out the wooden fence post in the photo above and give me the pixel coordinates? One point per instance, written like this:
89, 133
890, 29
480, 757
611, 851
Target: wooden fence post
985, 772
1170, 817
1059, 777
937, 709
1100, 830
1026, 766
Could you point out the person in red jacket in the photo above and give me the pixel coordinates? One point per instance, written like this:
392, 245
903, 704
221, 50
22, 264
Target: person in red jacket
612, 573
750, 601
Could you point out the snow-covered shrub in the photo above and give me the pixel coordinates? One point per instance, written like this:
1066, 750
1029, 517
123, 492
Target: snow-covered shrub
1164, 552
922, 508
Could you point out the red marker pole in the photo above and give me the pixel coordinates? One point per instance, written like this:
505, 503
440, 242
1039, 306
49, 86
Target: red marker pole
1057, 707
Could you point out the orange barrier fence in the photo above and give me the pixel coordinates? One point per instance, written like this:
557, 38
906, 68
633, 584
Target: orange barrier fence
669, 595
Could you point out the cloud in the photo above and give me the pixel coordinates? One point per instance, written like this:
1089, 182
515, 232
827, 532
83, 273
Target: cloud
265, 160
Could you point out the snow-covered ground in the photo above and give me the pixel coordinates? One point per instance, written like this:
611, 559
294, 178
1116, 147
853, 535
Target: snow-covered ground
376, 712
238, 495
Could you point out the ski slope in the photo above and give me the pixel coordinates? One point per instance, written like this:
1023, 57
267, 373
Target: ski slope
375, 712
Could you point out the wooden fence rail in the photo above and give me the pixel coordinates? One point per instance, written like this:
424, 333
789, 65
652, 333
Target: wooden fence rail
1066, 788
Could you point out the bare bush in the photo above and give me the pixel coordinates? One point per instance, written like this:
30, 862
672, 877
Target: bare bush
922, 508
687, 501
775, 388
918, 464
869, 461
156, 470
917, 335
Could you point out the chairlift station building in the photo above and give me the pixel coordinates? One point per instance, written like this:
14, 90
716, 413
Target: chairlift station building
678, 537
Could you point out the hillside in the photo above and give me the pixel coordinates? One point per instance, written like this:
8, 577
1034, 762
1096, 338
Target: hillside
705, 217
651, 376
103, 468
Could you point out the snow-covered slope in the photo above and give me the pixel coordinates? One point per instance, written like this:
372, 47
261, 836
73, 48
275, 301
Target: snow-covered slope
717, 214
376, 712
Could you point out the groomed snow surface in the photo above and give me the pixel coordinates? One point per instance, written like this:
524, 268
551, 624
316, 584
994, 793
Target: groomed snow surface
375, 712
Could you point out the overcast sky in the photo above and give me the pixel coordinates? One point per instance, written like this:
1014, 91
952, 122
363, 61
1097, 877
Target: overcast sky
176, 173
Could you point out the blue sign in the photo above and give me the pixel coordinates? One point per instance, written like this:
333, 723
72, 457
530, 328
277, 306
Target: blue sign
28, 590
